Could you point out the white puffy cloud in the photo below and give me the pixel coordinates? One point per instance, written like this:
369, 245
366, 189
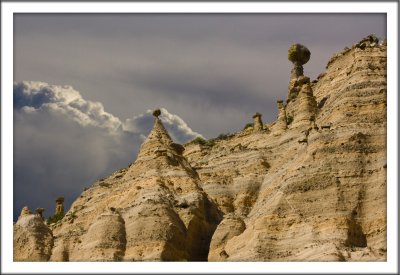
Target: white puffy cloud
62, 100
177, 128
63, 143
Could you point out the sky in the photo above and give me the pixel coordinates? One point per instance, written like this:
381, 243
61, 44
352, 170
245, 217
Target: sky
85, 85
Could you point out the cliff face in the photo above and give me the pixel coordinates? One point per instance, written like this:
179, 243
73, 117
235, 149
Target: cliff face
309, 187
316, 190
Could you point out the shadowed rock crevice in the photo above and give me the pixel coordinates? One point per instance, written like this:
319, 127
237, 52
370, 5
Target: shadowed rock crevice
355, 234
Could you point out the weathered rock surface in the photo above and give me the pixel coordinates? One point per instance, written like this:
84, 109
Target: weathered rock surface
152, 211
33, 240
315, 191
309, 187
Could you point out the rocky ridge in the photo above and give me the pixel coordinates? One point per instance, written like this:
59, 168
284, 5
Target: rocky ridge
310, 186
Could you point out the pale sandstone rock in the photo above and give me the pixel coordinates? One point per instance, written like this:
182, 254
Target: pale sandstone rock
323, 199
152, 211
257, 122
281, 123
313, 189
33, 240
230, 227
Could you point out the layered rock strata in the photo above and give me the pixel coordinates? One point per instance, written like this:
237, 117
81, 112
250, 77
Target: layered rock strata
321, 193
154, 210
311, 188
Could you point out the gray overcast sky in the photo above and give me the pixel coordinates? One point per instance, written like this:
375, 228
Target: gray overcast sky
212, 70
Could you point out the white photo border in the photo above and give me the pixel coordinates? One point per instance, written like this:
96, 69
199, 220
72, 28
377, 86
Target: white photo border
7, 12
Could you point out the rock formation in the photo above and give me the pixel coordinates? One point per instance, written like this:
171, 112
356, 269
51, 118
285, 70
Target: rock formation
298, 55
39, 212
154, 210
301, 104
25, 212
320, 195
257, 122
33, 240
282, 120
59, 206
311, 189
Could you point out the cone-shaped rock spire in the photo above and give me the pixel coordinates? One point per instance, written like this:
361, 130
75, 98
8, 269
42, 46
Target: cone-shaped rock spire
159, 153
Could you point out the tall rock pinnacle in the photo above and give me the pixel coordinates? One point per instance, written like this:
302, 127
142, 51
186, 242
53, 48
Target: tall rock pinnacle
301, 105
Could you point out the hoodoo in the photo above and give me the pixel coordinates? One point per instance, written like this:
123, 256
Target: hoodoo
312, 188
257, 124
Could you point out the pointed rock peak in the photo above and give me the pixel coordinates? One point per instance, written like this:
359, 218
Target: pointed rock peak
159, 155
159, 132
158, 139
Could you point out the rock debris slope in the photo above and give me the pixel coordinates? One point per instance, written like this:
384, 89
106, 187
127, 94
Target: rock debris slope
310, 186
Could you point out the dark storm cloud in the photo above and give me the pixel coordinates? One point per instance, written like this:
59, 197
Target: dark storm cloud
63, 143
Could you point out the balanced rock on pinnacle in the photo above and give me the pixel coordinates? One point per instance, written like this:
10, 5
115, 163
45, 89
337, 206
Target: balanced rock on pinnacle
298, 55
157, 112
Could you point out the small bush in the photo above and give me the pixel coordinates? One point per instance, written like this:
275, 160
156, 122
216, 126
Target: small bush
202, 141
55, 218
248, 125
223, 136
199, 140
292, 96
210, 142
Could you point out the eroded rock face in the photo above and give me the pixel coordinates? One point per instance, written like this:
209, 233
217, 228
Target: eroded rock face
323, 196
33, 240
310, 188
230, 227
154, 210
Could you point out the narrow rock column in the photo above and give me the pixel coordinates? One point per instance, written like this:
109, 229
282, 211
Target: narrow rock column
298, 55
307, 105
301, 103
59, 205
281, 123
258, 125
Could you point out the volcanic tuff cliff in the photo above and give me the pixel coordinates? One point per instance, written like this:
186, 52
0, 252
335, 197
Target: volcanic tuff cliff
310, 186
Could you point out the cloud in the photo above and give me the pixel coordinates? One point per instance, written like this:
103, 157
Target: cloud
63, 143
177, 128
215, 70
39, 96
